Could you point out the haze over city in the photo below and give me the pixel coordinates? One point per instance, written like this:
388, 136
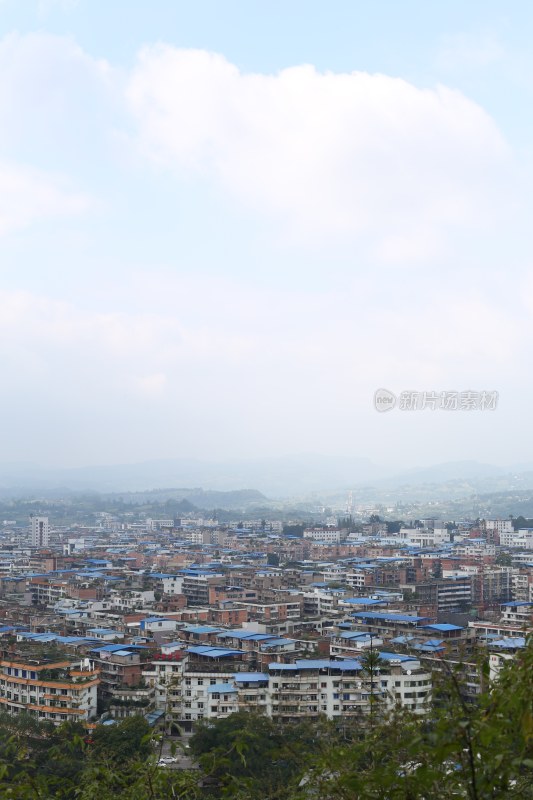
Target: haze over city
266, 488
224, 226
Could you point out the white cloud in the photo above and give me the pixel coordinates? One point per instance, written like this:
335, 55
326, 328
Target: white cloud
327, 154
28, 195
56, 101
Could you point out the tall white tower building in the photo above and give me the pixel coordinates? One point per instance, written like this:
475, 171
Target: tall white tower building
40, 531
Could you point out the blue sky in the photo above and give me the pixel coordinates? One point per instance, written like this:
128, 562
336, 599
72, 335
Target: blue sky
223, 225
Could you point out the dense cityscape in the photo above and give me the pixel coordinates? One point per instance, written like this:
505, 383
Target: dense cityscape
266, 484
186, 619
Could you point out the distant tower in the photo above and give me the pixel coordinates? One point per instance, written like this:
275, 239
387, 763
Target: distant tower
40, 531
349, 506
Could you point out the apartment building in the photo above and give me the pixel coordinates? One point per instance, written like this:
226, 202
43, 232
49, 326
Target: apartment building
326, 535
56, 691
196, 585
119, 665
518, 612
342, 689
522, 584
424, 537
39, 531
283, 691
522, 538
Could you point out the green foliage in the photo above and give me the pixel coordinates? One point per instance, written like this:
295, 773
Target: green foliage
123, 741
394, 526
294, 530
247, 755
40, 762
504, 560
474, 751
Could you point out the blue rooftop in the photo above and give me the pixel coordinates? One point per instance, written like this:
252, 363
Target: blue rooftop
443, 626
222, 687
108, 631
389, 617
201, 629
321, 663
510, 643
396, 657
363, 601
250, 677
355, 635
213, 652
276, 643
517, 603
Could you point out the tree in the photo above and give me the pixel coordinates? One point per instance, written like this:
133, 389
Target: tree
504, 559
272, 559
371, 666
394, 527
294, 530
248, 756
123, 741
437, 569
476, 751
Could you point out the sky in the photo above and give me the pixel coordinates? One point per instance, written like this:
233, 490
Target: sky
225, 224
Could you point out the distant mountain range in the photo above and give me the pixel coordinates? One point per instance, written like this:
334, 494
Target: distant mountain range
291, 476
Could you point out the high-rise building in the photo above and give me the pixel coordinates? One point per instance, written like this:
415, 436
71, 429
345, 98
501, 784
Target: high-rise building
40, 531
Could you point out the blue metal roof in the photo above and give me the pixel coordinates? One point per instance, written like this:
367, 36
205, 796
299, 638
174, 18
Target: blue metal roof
213, 652
395, 657
250, 677
106, 630
114, 648
201, 629
355, 635
318, 663
246, 635
402, 639
517, 603
443, 626
276, 643
511, 643
222, 687
388, 617
363, 601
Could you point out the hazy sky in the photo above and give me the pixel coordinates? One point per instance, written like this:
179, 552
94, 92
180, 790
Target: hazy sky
224, 225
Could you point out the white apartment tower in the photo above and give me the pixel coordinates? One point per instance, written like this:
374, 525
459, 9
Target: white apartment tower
40, 531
